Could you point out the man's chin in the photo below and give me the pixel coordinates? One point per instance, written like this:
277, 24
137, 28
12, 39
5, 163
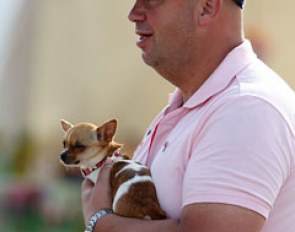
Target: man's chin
148, 59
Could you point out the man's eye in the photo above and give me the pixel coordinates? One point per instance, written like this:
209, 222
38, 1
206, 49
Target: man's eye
153, 2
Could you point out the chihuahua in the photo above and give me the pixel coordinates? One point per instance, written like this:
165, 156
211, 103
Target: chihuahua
89, 146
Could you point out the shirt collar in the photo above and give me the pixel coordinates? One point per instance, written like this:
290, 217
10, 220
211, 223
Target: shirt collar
238, 59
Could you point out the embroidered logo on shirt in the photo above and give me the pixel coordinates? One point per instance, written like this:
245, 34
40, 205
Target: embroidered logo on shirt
165, 146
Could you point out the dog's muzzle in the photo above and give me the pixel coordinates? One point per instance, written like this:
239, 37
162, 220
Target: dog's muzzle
66, 158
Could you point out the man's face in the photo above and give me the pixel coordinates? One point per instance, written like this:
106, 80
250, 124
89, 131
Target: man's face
165, 29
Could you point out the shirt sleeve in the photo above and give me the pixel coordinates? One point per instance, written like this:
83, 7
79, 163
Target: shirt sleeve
240, 157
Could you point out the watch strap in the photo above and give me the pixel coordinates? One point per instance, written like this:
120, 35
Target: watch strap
96, 217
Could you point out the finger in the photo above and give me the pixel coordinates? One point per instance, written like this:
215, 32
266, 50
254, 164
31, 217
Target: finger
109, 162
104, 174
103, 180
87, 186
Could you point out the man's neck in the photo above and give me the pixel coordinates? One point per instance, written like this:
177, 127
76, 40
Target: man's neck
191, 81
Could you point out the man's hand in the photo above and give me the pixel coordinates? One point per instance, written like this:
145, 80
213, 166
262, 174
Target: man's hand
98, 196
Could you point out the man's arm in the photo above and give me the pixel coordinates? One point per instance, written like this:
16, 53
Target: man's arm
202, 217
195, 218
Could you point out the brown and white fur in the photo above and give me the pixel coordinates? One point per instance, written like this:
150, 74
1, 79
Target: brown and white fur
88, 146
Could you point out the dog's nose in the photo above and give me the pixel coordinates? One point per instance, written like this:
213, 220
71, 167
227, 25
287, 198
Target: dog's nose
63, 156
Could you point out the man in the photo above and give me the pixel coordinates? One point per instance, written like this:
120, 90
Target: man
222, 152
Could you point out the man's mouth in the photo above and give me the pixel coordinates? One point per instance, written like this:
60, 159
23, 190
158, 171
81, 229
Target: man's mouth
143, 38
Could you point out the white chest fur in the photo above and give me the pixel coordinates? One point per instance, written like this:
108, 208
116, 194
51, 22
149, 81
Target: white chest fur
93, 175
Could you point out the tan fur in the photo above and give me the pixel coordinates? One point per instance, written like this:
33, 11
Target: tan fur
82, 146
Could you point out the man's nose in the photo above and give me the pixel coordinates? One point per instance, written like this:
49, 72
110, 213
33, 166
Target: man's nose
137, 13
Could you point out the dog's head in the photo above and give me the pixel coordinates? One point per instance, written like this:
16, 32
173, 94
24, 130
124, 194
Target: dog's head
85, 143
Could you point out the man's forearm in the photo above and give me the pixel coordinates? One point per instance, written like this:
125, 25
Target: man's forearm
114, 223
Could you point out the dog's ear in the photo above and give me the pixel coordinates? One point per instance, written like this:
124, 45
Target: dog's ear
107, 130
65, 125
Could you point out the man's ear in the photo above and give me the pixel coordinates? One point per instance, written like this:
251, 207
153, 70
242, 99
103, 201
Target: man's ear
107, 131
210, 9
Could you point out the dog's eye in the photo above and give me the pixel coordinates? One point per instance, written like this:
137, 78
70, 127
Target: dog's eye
79, 147
64, 144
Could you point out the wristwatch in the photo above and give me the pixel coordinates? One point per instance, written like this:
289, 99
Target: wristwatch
96, 217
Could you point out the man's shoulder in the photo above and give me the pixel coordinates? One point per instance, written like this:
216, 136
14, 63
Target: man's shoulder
259, 84
260, 81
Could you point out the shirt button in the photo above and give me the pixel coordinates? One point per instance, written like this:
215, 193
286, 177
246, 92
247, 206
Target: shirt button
149, 132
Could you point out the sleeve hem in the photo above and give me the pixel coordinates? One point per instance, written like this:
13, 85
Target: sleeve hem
251, 204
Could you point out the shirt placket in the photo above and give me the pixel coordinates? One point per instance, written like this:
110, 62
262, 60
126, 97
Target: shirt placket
161, 132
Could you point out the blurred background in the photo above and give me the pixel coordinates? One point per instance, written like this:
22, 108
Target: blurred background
77, 60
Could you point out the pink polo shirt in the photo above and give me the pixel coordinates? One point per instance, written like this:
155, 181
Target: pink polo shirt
232, 142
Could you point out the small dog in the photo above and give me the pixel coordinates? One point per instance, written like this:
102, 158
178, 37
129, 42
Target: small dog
88, 147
